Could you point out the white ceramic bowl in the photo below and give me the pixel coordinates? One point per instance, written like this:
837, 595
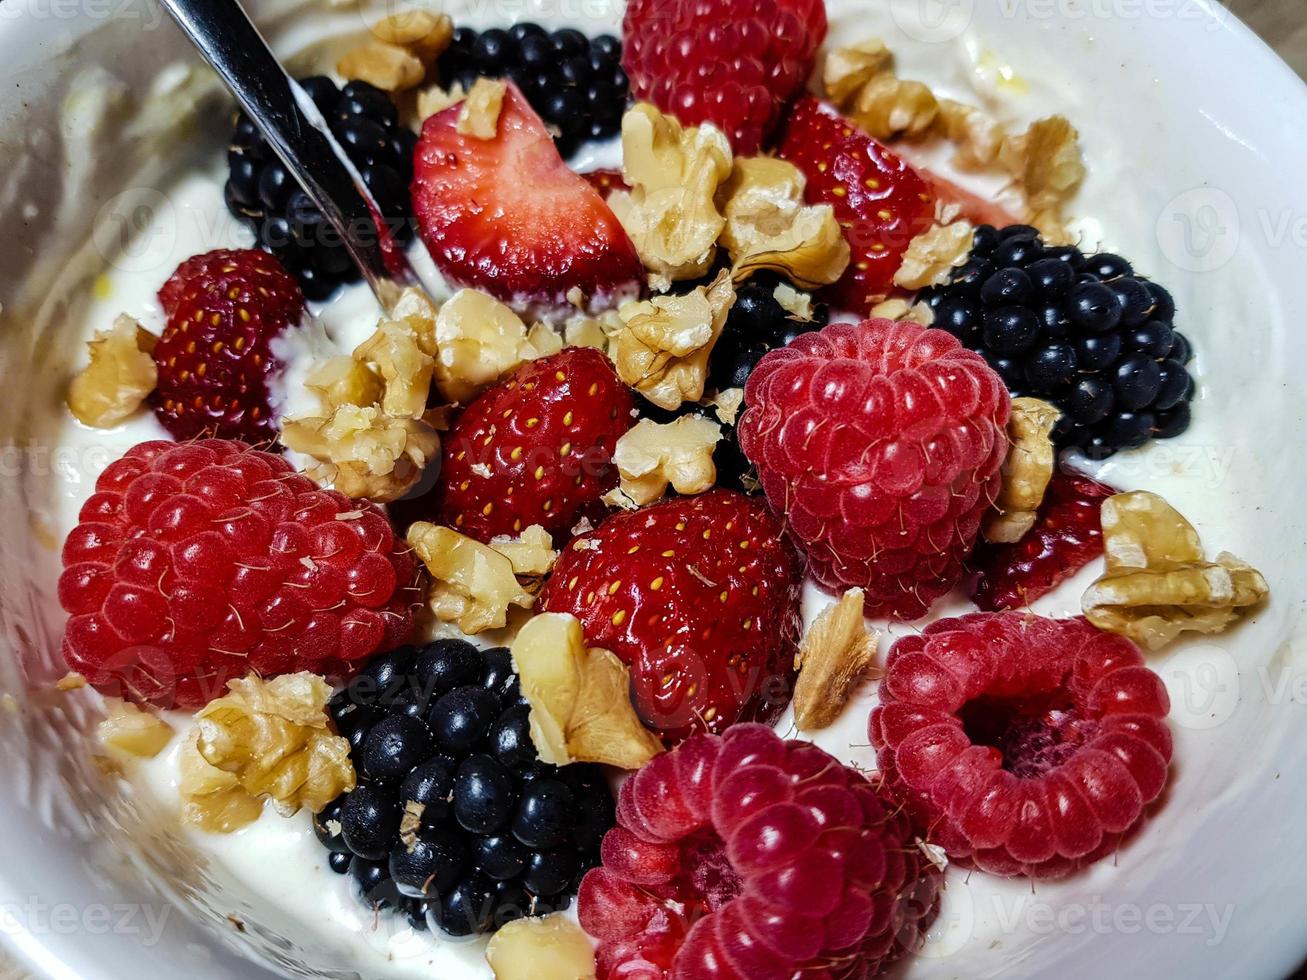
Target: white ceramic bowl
1197, 145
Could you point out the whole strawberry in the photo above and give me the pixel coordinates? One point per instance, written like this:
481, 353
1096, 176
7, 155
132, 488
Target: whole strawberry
699, 596
195, 563
1067, 536
881, 444
215, 357
733, 63
881, 201
536, 448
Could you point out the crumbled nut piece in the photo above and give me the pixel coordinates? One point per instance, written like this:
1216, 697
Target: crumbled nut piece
119, 378
273, 739
674, 172
1026, 471
934, 254
472, 584
423, 32
389, 67
898, 309
1048, 167
850, 68
416, 308
835, 654
548, 948
480, 115
797, 304
584, 331
344, 381
888, 108
478, 341
1159, 582
433, 99
531, 553
213, 800
976, 135
394, 353
649, 456
129, 729
768, 225
663, 352
727, 404
543, 340
364, 452
71, 681
580, 698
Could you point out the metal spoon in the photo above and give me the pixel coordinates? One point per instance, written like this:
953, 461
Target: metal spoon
291, 123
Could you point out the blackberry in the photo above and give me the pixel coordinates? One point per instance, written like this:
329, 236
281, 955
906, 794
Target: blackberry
576, 83
1085, 332
262, 194
455, 824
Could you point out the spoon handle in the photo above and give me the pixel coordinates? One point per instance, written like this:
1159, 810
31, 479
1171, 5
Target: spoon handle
292, 125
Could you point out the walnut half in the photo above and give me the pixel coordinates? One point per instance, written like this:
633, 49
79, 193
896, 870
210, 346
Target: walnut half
1159, 582
1026, 471
472, 584
649, 456
121, 375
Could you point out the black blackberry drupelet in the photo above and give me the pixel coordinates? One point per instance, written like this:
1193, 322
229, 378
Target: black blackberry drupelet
1084, 332
263, 195
455, 822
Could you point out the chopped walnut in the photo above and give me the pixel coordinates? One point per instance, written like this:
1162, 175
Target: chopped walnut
363, 452
850, 68
418, 310
135, 732
649, 456
389, 67
727, 404
274, 740
434, 98
1026, 471
793, 302
1048, 167
213, 800
674, 172
976, 136
543, 340
119, 378
888, 108
478, 341
394, 353
1159, 582
552, 947
768, 225
663, 352
934, 254
531, 553
423, 32
898, 309
580, 698
71, 681
479, 117
835, 654
472, 584
344, 381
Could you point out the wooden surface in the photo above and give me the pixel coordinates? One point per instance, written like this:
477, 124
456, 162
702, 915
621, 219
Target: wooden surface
1282, 22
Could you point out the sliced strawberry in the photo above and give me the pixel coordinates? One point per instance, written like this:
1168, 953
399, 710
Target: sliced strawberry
508, 217
699, 596
881, 202
536, 448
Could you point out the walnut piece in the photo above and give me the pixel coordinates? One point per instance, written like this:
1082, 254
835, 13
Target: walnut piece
472, 584
580, 698
898, 309
344, 381
273, 739
768, 225
674, 172
663, 352
548, 948
850, 68
1048, 167
934, 254
135, 732
423, 32
531, 553
434, 98
363, 452
726, 404
478, 341
395, 353
1026, 471
1159, 582
649, 456
835, 654
389, 67
860, 79
976, 136
119, 377
479, 117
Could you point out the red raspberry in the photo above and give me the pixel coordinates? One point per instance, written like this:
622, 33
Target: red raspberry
537, 448
192, 564
215, 359
881, 443
1067, 536
1029, 746
733, 63
745, 856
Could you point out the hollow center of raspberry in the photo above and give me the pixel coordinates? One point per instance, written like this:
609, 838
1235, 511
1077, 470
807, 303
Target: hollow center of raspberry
1034, 734
709, 875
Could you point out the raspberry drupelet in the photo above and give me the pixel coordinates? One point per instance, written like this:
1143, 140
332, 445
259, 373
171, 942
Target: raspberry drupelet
747, 856
194, 563
1026, 746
